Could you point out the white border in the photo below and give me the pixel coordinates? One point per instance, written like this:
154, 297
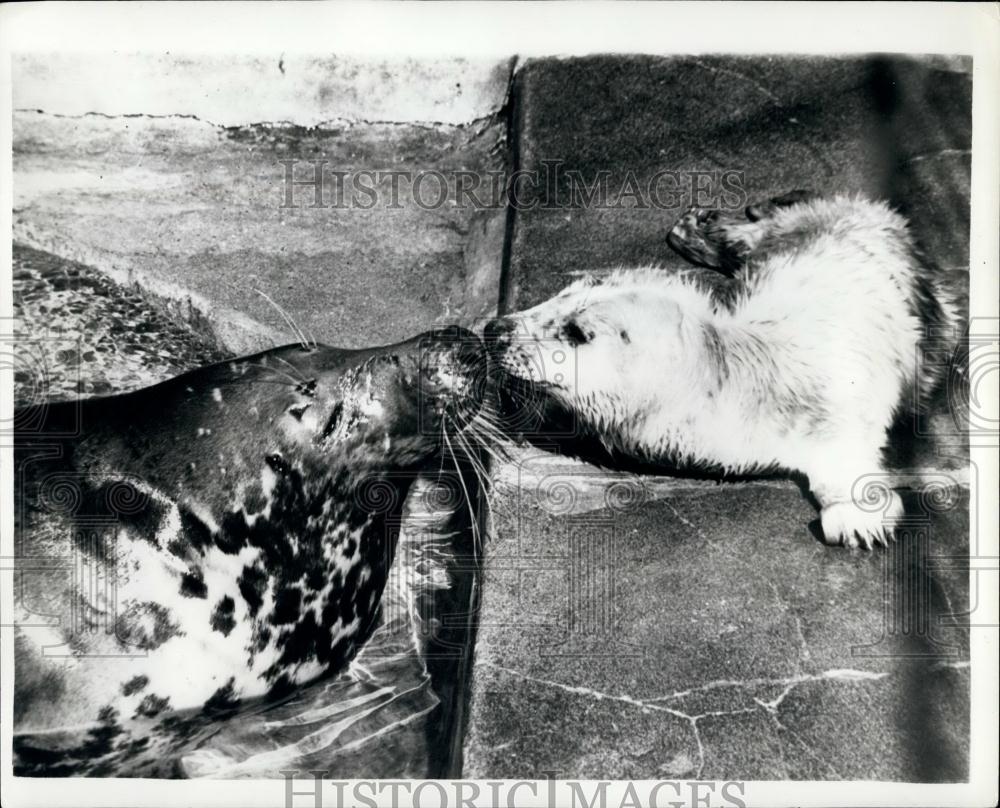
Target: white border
499, 29
496, 29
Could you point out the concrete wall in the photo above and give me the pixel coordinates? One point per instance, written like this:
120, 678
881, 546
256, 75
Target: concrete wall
166, 172
266, 88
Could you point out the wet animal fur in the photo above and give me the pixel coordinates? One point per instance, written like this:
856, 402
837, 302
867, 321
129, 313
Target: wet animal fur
800, 363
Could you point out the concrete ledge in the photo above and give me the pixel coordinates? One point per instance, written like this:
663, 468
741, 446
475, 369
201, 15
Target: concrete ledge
198, 213
231, 90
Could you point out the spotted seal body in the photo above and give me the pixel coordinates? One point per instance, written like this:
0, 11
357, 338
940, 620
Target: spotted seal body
223, 535
800, 362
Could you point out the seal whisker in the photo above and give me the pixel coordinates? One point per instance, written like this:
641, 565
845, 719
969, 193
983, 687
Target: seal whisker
474, 462
291, 380
486, 425
483, 478
295, 371
489, 434
476, 538
440, 470
296, 330
487, 439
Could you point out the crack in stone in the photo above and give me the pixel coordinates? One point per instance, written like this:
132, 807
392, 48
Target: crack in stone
578, 690
806, 654
804, 646
770, 707
774, 99
840, 674
686, 521
950, 618
782, 729
482, 121
597, 695
736, 74
112, 117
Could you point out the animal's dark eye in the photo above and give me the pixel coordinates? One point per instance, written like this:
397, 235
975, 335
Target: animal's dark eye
334, 419
573, 334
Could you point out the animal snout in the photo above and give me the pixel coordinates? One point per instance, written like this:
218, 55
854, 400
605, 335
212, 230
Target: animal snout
498, 332
468, 351
458, 346
452, 361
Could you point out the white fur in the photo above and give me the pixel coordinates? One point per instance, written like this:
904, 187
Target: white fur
804, 372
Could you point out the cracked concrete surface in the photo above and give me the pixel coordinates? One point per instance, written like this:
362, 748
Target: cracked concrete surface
656, 704
713, 628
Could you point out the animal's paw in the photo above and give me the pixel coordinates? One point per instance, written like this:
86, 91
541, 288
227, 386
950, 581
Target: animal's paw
851, 525
694, 236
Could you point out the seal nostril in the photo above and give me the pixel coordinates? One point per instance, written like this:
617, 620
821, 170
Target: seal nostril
277, 463
307, 388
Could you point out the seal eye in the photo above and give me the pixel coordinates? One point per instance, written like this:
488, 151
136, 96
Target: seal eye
334, 419
573, 334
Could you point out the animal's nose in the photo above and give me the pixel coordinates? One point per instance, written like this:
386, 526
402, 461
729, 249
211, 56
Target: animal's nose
469, 350
498, 330
459, 345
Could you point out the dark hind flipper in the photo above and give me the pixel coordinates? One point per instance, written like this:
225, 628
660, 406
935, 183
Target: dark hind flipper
724, 240
713, 238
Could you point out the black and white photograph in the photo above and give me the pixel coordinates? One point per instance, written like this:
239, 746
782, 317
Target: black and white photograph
499, 404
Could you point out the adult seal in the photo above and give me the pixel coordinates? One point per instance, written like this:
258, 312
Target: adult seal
221, 536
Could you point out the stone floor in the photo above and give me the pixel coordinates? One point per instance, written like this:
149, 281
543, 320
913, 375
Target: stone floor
641, 629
